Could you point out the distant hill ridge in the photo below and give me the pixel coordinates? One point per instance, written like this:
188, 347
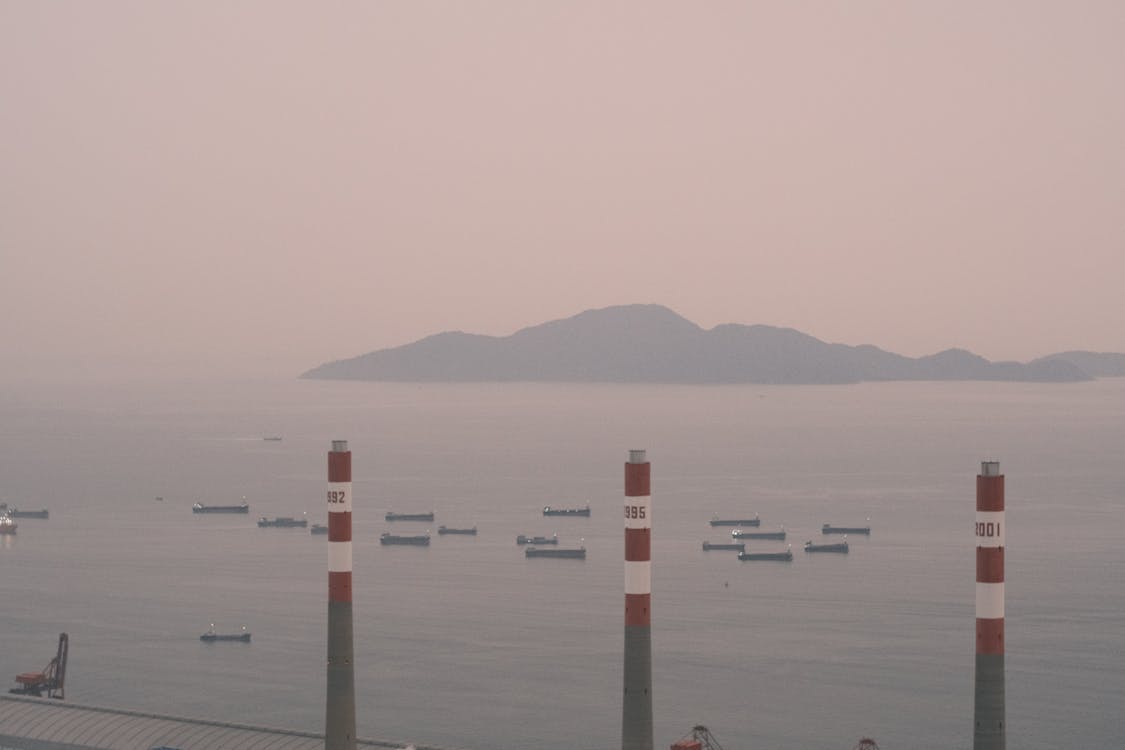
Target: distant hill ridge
652, 344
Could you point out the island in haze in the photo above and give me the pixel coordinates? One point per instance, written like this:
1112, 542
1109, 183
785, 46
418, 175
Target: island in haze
653, 344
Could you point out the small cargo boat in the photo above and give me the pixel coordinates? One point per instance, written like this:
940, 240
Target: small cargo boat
522, 539
211, 636
830, 529
576, 554
552, 511
286, 522
392, 516
739, 546
244, 507
17, 513
833, 547
420, 540
755, 521
740, 534
786, 556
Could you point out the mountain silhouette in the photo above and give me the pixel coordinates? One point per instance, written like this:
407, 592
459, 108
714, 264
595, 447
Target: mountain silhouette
653, 344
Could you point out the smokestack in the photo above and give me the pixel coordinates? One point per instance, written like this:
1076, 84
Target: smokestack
988, 731
636, 710
339, 707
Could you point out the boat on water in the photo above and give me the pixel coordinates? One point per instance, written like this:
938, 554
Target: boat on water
739, 546
467, 532
832, 547
830, 529
740, 534
786, 556
7, 525
244, 507
575, 554
422, 540
318, 528
17, 513
553, 539
755, 521
392, 516
282, 522
551, 511
272, 438
211, 636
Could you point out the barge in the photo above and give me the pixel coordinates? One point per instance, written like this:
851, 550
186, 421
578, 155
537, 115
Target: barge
392, 516
755, 521
740, 534
244, 507
786, 556
421, 540
553, 539
551, 511
576, 554
211, 636
830, 529
286, 522
739, 546
17, 513
833, 547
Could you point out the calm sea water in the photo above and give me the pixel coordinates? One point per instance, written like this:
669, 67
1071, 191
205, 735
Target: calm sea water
468, 644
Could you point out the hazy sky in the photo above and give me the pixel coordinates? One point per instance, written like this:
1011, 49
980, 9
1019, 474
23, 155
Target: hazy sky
252, 188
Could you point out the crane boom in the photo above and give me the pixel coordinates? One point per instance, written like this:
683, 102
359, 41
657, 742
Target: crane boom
52, 680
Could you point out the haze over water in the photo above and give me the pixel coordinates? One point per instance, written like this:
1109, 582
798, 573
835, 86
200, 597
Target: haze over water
250, 189
467, 643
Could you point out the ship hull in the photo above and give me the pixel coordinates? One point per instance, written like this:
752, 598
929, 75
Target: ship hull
839, 548
415, 541
778, 556
28, 513
220, 508
573, 554
521, 539
213, 637
282, 523
549, 511
409, 516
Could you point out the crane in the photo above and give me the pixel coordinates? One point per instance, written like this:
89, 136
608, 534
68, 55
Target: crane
51, 680
699, 738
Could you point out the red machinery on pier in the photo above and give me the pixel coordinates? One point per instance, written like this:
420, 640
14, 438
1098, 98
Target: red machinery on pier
51, 680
